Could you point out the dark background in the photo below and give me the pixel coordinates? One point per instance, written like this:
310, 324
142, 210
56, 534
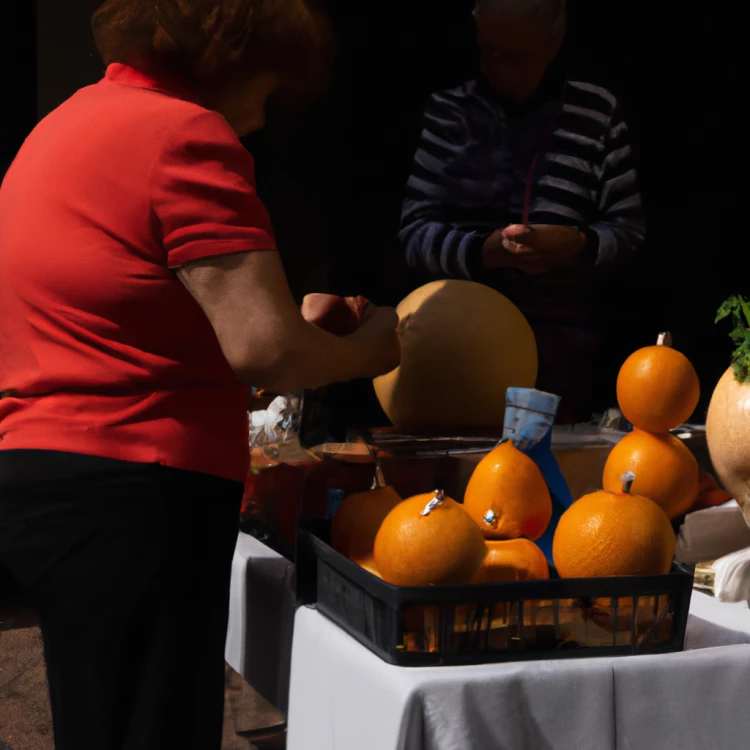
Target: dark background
333, 179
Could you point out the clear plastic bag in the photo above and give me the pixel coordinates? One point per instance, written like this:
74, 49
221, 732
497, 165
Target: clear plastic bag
277, 424
273, 487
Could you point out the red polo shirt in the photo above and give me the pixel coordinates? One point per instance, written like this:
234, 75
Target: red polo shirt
102, 350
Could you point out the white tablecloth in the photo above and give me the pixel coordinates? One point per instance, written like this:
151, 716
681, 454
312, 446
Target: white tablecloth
261, 619
345, 698
713, 624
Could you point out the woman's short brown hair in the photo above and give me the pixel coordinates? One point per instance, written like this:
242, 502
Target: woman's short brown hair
208, 39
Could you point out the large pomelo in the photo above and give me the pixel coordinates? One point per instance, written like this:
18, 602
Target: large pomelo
462, 346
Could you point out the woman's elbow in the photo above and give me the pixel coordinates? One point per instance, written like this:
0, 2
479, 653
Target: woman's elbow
270, 367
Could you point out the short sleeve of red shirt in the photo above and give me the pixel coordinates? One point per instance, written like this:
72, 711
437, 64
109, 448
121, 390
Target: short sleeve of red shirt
203, 193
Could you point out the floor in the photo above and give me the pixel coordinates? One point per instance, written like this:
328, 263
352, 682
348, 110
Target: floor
250, 723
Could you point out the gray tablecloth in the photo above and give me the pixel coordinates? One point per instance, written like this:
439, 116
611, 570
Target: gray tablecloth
345, 698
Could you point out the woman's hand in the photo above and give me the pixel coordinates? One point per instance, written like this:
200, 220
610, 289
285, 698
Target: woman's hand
532, 249
345, 316
339, 315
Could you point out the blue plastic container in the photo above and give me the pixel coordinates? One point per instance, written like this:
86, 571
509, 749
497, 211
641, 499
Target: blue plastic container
529, 416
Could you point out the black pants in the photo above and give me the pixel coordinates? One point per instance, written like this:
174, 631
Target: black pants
128, 567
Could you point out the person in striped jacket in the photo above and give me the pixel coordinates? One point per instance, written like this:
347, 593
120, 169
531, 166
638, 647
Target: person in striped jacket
524, 180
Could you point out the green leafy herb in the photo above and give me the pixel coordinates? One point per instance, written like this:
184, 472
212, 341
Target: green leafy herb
738, 309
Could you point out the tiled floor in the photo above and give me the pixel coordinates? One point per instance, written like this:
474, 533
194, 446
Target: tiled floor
248, 717
25, 722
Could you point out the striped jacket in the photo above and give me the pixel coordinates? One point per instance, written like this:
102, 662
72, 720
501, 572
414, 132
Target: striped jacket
564, 159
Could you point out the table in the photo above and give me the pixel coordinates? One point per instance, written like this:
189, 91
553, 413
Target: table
261, 619
345, 698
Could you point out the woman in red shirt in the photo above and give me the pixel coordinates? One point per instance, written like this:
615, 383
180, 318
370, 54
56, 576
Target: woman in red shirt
140, 296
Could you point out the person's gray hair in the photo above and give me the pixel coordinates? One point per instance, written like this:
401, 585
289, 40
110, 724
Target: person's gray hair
549, 12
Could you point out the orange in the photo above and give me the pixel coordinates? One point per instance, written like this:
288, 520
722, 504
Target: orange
706, 482
512, 560
613, 534
665, 470
358, 519
711, 498
368, 563
657, 388
507, 495
442, 547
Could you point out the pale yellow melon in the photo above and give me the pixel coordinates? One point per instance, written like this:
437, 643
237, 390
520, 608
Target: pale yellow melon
463, 345
728, 437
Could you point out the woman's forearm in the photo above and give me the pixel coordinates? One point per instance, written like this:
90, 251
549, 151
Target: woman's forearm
310, 358
266, 340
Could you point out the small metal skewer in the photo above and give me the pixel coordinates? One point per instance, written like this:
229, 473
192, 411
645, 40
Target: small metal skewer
378, 481
627, 480
437, 500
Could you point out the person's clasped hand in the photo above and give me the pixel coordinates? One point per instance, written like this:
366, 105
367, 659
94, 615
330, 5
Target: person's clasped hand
532, 249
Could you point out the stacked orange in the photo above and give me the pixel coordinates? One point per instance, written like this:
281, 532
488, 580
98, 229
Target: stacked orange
650, 477
429, 540
357, 522
657, 391
613, 534
508, 499
426, 540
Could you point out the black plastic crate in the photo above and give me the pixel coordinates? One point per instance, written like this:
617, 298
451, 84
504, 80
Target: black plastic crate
484, 623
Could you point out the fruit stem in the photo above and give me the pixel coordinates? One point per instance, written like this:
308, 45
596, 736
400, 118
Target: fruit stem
378, 481
627, 480
437, 500
664, 339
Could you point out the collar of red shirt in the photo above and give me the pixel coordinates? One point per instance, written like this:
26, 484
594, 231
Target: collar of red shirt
161, 81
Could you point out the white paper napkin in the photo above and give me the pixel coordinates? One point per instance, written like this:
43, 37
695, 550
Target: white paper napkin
732, 583
711, 534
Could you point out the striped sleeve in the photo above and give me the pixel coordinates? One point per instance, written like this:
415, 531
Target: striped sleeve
428, 240
620, 228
